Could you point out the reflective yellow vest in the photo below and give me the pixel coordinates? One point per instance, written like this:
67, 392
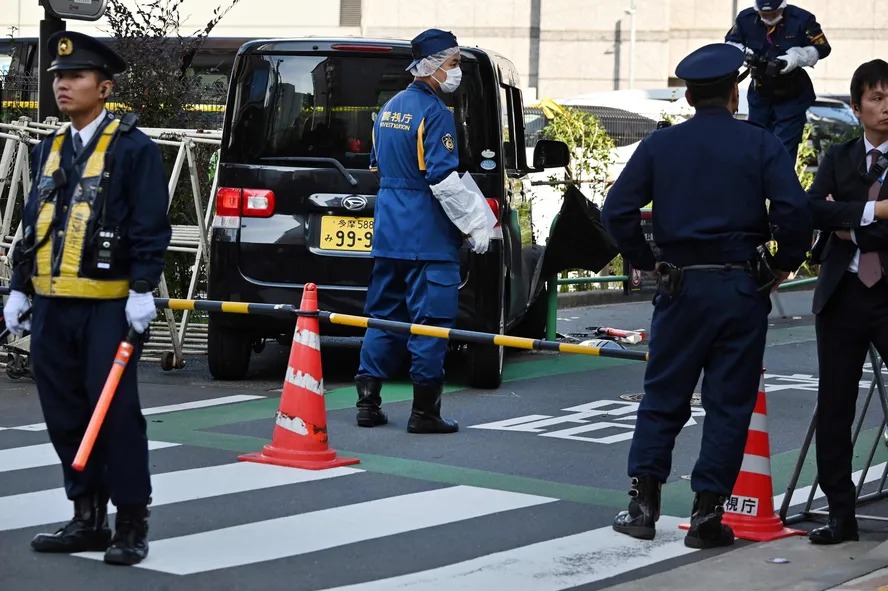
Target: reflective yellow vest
64, 279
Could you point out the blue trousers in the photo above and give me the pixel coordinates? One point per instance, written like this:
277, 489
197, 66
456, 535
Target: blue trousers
73, 344
785, 119
420, 292
716, 325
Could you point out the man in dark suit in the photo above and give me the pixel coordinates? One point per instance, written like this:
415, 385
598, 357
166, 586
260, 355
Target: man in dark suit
851, 298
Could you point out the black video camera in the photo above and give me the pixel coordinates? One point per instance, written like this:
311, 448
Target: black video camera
762, 67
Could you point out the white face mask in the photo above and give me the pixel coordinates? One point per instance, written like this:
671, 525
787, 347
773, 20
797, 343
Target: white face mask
454, 77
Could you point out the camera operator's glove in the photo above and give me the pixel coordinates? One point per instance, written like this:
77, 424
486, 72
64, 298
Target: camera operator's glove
16, 305
799, 57
140, 310
480, 238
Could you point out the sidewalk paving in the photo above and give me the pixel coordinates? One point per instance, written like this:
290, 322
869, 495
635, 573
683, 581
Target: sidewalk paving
790, 564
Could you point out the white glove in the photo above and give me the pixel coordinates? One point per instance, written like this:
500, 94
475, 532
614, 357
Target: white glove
799, 57
16, 305
792, 61
140, 310
480, 239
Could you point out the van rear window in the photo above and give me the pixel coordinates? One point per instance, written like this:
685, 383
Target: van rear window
286, 106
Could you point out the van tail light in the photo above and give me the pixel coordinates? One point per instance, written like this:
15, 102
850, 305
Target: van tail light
257, 203
494, 206
228, 202
252, 203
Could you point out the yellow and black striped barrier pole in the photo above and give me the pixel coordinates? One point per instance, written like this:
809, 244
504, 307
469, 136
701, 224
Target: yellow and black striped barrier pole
484, 338
465, 336
228, 307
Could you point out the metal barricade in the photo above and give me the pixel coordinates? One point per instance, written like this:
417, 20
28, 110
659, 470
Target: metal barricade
867, 474
19, 137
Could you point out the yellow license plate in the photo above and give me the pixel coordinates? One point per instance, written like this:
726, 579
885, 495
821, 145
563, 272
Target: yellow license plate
346, 233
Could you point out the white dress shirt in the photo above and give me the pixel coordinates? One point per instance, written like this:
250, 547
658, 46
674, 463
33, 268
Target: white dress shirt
87, 133
869, 210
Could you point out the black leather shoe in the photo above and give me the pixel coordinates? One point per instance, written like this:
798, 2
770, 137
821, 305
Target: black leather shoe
644, 509
129, 545
87, 532
836, 531
369, 401
707, 529
426, 414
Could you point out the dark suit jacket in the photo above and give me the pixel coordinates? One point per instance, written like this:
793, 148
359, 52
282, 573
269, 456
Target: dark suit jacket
839, 175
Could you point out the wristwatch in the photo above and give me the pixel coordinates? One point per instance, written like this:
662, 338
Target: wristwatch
140, 286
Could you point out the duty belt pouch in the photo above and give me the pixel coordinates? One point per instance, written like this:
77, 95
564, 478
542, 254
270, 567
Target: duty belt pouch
670, 277
762, 268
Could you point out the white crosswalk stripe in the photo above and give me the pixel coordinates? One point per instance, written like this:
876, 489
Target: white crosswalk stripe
36, 456
51, 506
287, 536
547, 566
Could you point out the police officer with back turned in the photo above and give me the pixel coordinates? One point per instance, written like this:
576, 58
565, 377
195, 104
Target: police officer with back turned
422, 212
709, 179
95, 230
780, 40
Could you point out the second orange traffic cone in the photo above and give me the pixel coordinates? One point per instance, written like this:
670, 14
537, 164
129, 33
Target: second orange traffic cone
300, 438
750, 508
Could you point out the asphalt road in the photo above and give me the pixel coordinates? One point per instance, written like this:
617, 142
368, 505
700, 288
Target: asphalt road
522, 497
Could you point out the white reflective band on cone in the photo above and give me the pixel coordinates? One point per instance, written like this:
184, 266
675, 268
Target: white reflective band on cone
303, 380
756, 465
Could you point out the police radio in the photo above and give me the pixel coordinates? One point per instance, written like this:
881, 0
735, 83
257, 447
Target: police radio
102, 259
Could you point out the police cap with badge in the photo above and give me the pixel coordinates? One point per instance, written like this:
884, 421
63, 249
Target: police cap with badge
430, 42
70, 50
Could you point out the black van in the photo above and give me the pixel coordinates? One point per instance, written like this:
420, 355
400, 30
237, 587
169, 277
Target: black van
295, 196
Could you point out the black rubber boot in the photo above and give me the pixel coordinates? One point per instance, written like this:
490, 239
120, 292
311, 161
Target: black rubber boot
707, 529
644, 509
426, 414
129, 545
87, 531
369, 400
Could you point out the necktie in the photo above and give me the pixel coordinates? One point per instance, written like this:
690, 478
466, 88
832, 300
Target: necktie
869, 269
78, 144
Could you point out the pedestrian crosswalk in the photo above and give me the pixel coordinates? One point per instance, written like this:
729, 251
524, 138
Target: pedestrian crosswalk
240, 519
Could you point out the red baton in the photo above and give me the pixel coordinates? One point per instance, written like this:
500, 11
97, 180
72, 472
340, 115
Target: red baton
121, 359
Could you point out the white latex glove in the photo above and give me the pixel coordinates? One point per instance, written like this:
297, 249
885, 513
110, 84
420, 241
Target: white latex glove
140, 310
16, 305
792, 61
480, 239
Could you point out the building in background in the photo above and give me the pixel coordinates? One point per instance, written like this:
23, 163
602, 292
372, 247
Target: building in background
561, 47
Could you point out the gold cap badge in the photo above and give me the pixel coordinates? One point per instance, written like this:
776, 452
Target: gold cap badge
66, 46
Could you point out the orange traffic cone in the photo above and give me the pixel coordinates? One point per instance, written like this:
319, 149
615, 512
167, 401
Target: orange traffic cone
750, 508
299, 439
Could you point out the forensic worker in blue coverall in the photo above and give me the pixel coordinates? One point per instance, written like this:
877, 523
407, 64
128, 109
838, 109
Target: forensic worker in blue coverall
422, 213
95, 230
780, 95
709, 179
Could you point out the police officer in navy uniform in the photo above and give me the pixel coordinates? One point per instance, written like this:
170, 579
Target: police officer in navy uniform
422, 213
95, 230
779, 97
709, 179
